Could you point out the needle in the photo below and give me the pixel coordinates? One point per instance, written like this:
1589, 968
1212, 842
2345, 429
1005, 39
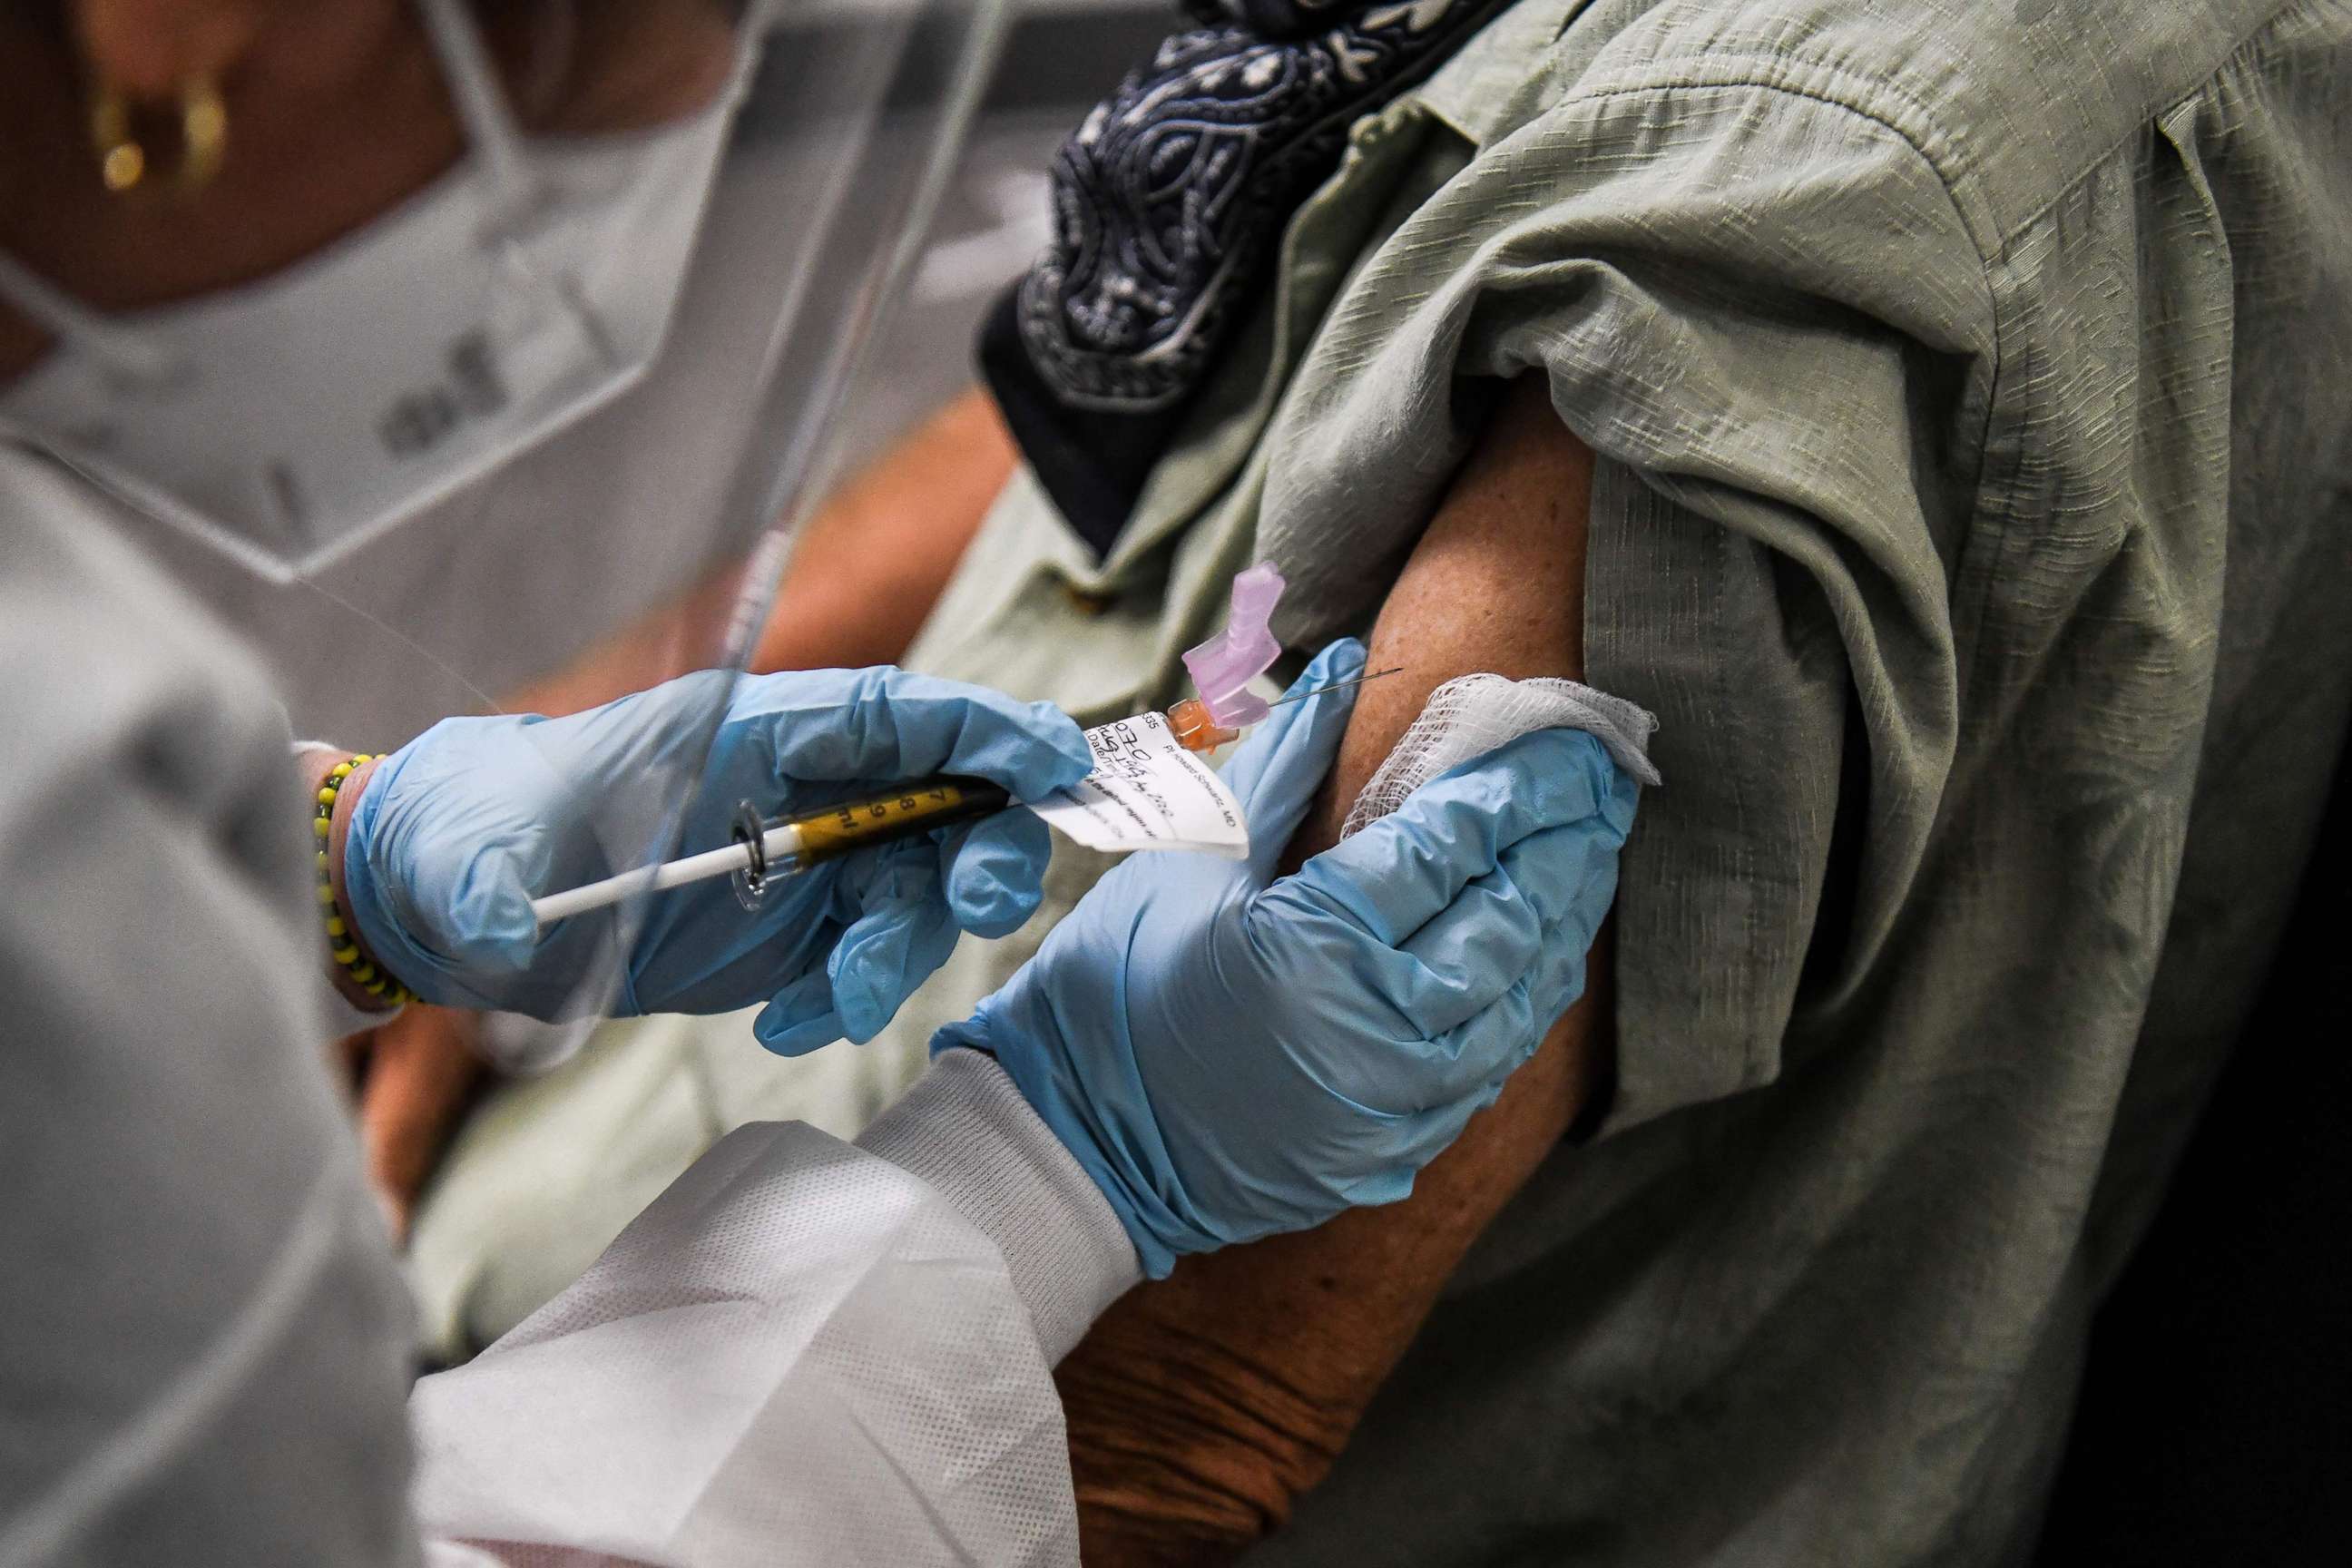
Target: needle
1338, 685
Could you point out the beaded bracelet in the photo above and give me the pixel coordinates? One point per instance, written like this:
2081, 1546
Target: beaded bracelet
340, 944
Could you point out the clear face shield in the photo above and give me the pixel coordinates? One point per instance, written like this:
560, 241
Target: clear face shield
591, 370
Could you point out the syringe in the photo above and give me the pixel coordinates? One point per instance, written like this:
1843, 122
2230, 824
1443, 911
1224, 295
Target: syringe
787, 846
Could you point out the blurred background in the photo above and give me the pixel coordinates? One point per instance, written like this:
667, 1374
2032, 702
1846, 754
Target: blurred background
1060, 58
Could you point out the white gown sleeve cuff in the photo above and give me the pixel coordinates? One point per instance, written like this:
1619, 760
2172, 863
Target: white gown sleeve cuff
965, 1131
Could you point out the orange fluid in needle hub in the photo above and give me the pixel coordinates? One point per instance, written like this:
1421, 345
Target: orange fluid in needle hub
1194, 731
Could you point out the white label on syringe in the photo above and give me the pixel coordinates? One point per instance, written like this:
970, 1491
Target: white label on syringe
1146, 792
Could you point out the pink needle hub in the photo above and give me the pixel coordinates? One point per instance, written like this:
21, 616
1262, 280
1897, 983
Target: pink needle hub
1223, 667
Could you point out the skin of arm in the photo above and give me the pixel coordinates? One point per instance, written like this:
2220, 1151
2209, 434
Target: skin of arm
860, 584
1200, 1405
866, 571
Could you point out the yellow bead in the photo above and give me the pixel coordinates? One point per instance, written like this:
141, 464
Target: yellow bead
325, 894
326, 797
321, 827
364, 973
322, 860
347, 953
334, 925
125, 165
340, 771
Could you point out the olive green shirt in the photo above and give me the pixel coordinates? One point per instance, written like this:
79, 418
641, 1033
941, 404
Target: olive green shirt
1972, 386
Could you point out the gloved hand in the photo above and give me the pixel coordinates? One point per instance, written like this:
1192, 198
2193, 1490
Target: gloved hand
1228, 1054
456, 832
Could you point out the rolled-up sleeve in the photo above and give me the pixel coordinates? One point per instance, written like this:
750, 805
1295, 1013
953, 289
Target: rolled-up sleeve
1763, 310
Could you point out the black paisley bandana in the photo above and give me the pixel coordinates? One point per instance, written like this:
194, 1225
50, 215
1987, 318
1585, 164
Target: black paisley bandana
1168, 202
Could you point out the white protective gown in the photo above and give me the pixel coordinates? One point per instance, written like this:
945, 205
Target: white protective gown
804, 1351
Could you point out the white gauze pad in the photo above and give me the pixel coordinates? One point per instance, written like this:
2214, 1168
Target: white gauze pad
1473, 714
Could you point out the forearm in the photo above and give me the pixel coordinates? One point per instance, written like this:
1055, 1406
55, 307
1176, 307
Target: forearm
858, 585
686, 634
1204, 1403
864, 573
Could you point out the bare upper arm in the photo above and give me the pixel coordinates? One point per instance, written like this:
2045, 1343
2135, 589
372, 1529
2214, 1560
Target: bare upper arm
1203, 1402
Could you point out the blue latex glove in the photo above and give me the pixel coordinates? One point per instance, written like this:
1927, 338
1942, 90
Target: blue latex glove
1229, 1054
460, 829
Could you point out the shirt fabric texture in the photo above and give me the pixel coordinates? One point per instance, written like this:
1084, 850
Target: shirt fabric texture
1967, 385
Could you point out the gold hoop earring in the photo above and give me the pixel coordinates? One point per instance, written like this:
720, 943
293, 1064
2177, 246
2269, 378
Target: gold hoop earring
122, 161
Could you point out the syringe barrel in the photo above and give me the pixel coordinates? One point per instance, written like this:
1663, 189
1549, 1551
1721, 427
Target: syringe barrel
904, 812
